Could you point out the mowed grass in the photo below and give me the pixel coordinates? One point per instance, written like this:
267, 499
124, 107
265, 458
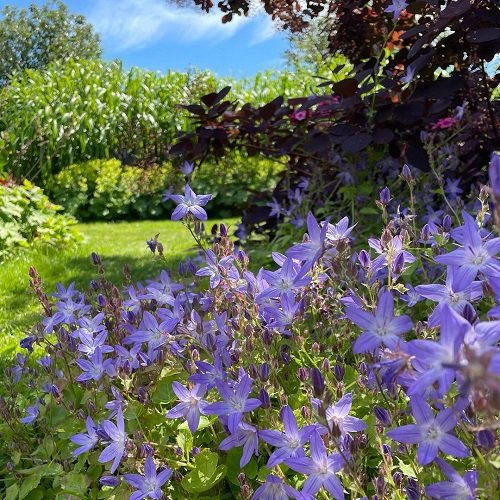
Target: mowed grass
117, 243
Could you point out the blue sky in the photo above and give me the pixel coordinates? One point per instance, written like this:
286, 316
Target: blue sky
156, 35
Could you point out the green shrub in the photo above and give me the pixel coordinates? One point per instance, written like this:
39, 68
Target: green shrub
28, 217
109, 190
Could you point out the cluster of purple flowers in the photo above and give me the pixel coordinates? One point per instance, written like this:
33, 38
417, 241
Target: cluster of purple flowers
446, 362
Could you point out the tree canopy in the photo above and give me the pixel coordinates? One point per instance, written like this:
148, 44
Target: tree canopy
35, 36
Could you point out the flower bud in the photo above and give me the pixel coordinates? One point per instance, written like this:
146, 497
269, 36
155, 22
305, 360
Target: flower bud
302, 374
382, 415
96, 260
264, 370
339, 372
94, 285
315, 348
101, 301
223, 231
426, 232
264, 398
109, 480
318, 382
325, 365
142, 395
306, 413
252, 371
446, 223
146, 450
267, 337
485, 439
364, 258
397, 477
385, 196
469, 313
398, 264
494, 173
406, 173
195, 451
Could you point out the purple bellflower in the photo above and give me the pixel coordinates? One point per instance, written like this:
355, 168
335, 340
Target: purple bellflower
457, 488
148, 485
191, 406
236, 401
473, 256
437, 361
275, 489
95, 367
118, 437
321, 468
458, 291
338, 415
379, 328
190, 203
32, 413
246, 435
290, 443
86, 441
311, 249
430, 432
396, 7
216, 269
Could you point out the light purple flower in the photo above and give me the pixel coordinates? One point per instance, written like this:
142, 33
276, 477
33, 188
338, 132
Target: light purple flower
379, 328
430, 433
312, 248
337, 415
290, 443
236, 401
190, 203
457, 488
473, 256
191, 406
86, 441
275, 489
148, 485
116, 448
246, 436
321, 469
32, 413
396, 7
95, 367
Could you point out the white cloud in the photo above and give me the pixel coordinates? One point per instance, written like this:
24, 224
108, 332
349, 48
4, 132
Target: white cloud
130, 24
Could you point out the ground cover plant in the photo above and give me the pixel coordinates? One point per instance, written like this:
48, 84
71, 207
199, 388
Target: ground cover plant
359, 369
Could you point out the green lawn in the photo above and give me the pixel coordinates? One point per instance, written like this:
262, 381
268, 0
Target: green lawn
117, 243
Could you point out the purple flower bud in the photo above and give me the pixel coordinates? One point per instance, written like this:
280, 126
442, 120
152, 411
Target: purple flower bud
264, 398
485, 439
182, 269
102, 433
469, 313
302, 374
187, 168
267, 337
109, 480
241, 478
94, 285
406, 173
426, 232
494, 173
285, 357
364, 258
264, 370
382, 415
412, 489
318, 382
131, 316
385, 196
127, 367
223, 230
325, 365
9, 466
387, 450
56, 393
96, 260
101, 300
446, 223
397, 477
252, 371
195, 451
339, 372
398, 264
146, 450
142, 395
363, 368
178, 451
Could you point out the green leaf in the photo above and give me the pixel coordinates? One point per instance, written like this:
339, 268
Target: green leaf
75, 483
164, 392
194, 482
29, 483
12, 492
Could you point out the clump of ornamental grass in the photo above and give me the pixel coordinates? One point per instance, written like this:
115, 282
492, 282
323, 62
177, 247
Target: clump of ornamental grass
337, 373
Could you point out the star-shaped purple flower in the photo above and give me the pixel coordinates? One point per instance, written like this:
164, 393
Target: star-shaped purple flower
148, 485
190, 203
191, 406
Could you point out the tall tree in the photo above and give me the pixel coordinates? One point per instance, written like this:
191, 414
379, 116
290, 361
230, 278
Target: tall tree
37, 35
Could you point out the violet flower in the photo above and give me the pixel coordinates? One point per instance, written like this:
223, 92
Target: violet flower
290, 443
312, 248
236, 401
379, 328
148, 485
430, 432
274, 488
321, 468
32, 413
457, 488
95, 367
396, 7
86, 441
116, 449
473, 256
190, 203
191, 406
246, 436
